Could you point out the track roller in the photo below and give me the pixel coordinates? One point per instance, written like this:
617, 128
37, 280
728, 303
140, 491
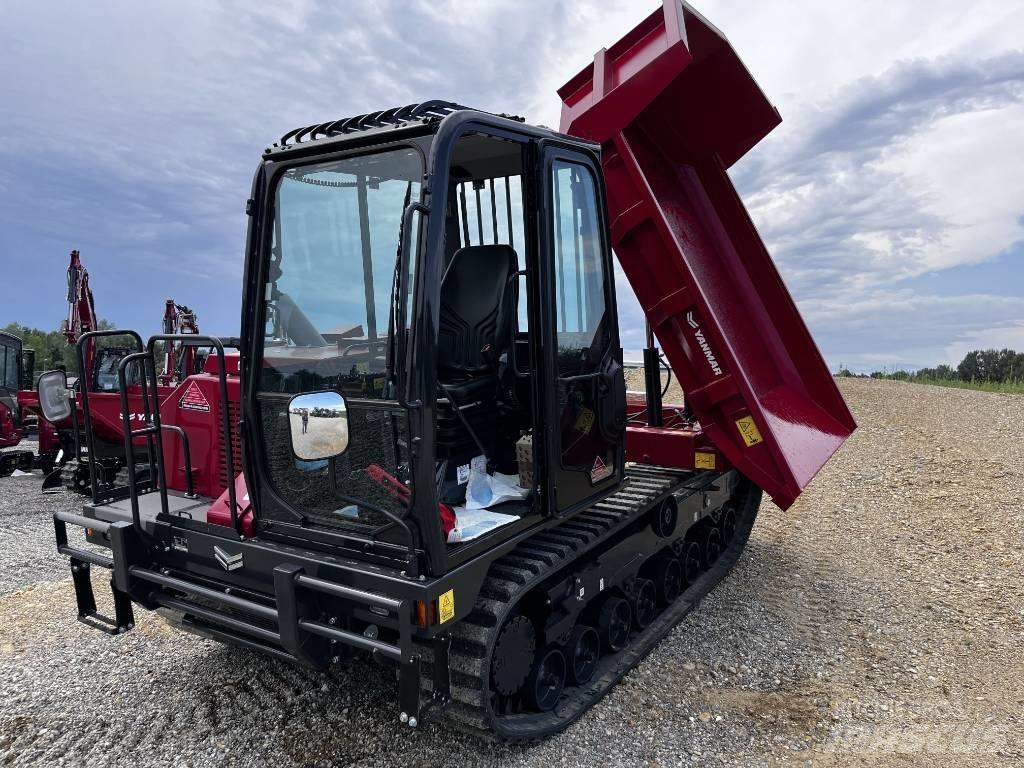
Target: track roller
645, 603
75, 476
613, 622
668, 578
583, 650
546, 680
665, 518
692, 562
710, 540
728, 525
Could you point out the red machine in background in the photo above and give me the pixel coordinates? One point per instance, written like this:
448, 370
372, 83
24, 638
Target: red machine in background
99, 357
12, 378
16, 400
189, 441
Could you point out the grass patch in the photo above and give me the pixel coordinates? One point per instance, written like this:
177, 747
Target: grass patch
1007, 387
1015, 387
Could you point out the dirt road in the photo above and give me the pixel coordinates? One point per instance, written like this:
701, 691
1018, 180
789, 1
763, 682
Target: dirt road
878, 622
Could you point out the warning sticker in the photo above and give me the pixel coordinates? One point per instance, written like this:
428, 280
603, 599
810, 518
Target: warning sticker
600, 470
748, 431
446, 606
194, 399
703, 460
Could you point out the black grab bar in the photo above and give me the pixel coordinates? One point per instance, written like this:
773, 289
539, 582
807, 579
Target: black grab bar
222, 381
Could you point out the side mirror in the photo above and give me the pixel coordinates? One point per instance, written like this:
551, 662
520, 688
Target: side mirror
318, 423
54, 397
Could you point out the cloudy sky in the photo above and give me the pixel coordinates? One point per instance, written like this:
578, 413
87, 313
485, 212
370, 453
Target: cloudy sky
892, 195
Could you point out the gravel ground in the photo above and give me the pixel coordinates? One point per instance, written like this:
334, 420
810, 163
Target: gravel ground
878, 622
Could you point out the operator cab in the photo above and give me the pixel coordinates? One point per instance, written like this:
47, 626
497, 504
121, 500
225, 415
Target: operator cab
106, 360
12, 373
433, 317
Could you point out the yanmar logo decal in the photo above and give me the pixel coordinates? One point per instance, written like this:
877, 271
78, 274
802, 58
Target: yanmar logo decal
194, 399
702, 342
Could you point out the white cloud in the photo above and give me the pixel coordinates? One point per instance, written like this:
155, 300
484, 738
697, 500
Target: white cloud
1000, 337
971, 167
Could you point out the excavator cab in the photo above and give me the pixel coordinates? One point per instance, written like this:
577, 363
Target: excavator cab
450, 284
12, 377
106, 360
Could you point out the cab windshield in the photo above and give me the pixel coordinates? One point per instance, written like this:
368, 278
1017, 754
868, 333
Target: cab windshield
332, 274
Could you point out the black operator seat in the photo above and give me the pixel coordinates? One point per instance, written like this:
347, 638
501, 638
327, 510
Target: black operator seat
477, 310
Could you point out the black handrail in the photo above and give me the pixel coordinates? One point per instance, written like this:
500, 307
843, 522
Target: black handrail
225, 410
83, 388
189, 487
152, 428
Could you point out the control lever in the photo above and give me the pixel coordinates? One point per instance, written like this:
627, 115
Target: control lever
400, 491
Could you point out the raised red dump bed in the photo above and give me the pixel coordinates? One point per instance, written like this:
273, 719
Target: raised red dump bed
673, 107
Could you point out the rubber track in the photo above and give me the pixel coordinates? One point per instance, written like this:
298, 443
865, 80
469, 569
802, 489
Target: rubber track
515, 574
15, 459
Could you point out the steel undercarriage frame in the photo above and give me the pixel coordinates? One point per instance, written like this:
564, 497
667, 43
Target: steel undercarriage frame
320, 608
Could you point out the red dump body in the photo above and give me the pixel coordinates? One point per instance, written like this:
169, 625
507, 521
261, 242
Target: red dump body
673, 107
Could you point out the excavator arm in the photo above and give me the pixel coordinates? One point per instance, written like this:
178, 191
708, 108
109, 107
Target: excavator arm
81, 308
178, 319
674, 107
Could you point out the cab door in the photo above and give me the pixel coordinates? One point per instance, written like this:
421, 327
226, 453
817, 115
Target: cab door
585, 395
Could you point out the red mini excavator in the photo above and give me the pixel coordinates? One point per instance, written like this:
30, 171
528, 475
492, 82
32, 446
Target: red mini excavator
440, 467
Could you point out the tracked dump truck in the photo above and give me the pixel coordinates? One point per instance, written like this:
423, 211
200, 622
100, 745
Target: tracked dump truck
440, 466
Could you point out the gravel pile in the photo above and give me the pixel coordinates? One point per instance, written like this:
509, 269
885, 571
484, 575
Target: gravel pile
878, 622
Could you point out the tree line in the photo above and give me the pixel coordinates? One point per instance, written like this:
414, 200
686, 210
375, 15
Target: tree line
979, 366
51, 347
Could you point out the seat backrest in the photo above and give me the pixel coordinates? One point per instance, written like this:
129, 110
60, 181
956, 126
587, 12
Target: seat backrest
477, 298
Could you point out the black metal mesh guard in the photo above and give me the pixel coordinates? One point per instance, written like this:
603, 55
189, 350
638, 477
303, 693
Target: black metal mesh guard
339, 492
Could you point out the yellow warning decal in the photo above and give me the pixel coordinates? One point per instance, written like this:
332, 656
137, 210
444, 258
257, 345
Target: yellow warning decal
446, 606
748, 431
584, 421
703, 460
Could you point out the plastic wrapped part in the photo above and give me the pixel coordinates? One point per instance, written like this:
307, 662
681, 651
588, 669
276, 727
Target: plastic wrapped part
484, 490
473, 523
673, 107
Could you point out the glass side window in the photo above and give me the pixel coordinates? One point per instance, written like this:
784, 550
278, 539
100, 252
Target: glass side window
579, 269
9, 373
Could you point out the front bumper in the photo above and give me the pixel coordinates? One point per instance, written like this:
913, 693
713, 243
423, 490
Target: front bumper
307, 619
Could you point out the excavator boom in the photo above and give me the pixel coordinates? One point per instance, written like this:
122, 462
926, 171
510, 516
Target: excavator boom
673, 107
